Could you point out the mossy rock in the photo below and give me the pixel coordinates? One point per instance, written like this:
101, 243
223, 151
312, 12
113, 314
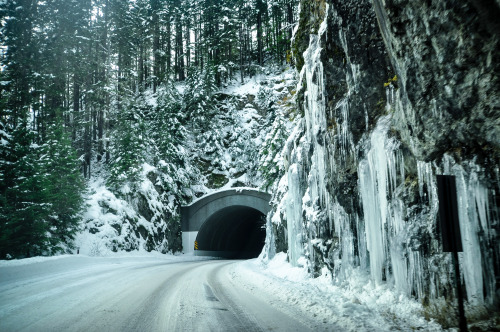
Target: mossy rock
238, 184
311, 15
216, 181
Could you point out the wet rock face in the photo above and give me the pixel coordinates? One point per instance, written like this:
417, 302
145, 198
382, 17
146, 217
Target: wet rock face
310, 17
348, 85
393, 93
356, 66
447, 60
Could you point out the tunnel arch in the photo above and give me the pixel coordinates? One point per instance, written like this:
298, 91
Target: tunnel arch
228, 223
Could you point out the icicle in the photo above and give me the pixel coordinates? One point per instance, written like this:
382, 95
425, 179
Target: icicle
416, 277
293, 209
362, 246
342, 227
385, 226
373, 221
471, 255
399, 268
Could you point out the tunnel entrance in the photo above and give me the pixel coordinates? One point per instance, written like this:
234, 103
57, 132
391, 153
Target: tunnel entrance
226, 223
236, 232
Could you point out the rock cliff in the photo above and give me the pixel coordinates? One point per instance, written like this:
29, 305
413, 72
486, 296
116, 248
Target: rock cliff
392, 93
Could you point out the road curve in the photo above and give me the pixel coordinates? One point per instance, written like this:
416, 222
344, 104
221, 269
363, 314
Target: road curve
140, 296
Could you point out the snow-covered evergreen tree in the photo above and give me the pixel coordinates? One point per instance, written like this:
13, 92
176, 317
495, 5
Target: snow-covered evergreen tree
199, 99
41, 193
168, 132
25, 204
64, 188
271, 162
128, 149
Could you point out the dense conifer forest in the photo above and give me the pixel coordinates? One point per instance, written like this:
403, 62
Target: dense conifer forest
76, 83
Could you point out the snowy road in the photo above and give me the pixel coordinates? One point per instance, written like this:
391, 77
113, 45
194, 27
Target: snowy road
154, 292
117, 294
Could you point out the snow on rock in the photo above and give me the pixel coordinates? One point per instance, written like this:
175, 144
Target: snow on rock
137, 220
230, 151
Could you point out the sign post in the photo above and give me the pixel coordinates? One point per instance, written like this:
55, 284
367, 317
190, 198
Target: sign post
450, 233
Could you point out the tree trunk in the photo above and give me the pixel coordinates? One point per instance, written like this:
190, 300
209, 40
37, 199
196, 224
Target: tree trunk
179, 51
242, 44
290, 18
156, 45
76, 105
188, 44
141, 67
260, 12
169, 44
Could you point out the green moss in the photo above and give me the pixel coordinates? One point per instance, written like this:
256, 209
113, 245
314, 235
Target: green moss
216, 181
411, 182
392, 81
311, 15
332, 124
380, 106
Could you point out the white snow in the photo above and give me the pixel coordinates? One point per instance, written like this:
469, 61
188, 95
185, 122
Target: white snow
31, 260
111, 221
356, 305
222, 189
251, 86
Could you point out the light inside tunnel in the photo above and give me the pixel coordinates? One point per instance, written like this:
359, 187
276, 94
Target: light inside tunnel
232, 232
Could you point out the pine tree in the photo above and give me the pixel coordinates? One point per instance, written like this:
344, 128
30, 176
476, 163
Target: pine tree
64, 188
167, 129
270, 162
128, 150
18, 19
25, 205
169, 136
198, 96
41, 193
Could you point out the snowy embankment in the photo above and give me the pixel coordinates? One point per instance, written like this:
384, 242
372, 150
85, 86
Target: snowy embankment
356, 305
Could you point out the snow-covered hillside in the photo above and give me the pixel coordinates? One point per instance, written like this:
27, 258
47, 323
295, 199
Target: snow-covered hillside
239, 145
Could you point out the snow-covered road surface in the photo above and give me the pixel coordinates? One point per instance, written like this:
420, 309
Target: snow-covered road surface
187, 293
139, 294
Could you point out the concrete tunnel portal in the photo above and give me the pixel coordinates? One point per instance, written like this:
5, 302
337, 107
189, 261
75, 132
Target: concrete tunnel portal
227, 224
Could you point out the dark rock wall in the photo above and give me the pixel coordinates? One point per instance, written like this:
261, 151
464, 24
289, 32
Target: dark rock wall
391, 94
448, 66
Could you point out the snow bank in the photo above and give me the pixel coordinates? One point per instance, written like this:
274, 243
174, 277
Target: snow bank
31, 260
356, 305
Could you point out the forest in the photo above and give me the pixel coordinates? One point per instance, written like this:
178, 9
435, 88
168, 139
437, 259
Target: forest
76, 82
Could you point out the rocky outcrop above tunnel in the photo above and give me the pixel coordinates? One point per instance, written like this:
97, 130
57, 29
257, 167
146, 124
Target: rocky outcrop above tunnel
392, 93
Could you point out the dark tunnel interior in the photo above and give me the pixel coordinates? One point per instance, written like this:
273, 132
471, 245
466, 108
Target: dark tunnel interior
236, 232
